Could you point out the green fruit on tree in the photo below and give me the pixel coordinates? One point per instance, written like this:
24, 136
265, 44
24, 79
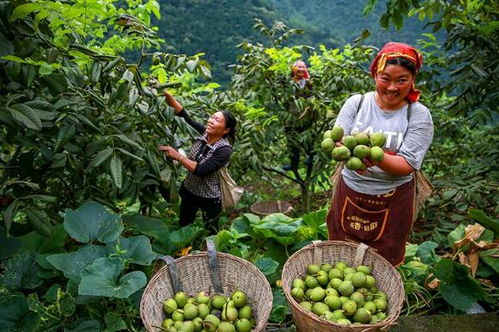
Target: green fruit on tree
181, 299
327, 134
346, 288
350, 307
354, 164
362, 138
169, 306
350, 142
340, 153
337, 133
361, 151
327, 144
226, 327
243, 325
377, 139
319, 308
362, 316
376, 154
240, 299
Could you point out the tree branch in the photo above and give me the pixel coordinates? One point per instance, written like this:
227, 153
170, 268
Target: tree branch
296, 180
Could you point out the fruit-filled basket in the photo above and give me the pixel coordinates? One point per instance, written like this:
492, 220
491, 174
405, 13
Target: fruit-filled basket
203, 275
341, 286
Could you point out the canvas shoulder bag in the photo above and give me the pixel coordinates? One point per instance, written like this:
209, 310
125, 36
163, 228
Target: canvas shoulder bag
231, 192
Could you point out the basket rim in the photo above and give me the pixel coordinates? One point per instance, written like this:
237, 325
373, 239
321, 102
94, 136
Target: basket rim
262, 322
295, 306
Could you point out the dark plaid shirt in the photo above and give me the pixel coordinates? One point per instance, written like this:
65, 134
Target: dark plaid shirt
204, 181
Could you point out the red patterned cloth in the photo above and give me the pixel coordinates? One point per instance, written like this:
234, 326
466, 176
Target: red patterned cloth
393, 50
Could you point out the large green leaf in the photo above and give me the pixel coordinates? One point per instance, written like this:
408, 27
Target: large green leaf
282, 232
491, 258
116, 166
26, 116
42, 244
457, 286
426, 251
71, 264
486, 221
21, 272
316, 218
136, 249
102, 278
8, 245
456, 235
15, 314
86, 325
266, 265
152, 227
92, 222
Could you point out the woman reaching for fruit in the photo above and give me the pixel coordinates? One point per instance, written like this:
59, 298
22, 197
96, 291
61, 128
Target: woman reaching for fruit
376, 205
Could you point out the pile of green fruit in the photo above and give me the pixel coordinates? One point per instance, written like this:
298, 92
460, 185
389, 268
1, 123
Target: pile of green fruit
341, 294
355, 147
208, 313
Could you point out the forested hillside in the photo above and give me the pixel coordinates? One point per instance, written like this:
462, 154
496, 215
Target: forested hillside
216, 27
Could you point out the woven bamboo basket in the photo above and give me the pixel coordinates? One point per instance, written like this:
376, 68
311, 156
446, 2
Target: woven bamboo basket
265, 208
194, 274
387, 280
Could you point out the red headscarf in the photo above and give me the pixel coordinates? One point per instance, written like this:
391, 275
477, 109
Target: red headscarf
306, 75
393, 50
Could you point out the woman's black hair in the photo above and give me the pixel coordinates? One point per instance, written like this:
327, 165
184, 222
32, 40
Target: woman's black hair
230, 123
410, 66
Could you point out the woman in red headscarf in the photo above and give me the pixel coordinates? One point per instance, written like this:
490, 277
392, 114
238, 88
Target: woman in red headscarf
375, 206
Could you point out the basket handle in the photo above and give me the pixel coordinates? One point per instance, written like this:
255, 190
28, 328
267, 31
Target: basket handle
213, 265
359, 254
172, 269
317, 252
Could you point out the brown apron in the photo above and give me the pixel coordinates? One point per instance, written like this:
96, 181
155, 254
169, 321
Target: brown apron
383, 222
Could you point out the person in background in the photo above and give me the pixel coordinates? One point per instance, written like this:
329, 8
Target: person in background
375, 206
298, 120
210, 152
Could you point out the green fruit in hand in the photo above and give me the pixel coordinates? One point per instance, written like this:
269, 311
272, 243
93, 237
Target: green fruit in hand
226, 327
337, 133
378, 139
341, 153
319, 308
333, 302
297, 293
317, 294
376, 154
218, 301
354, 164
322, 278
245, 312
240, 299
359, 279
298, 283
362, 138
361, 151
313, 269
327, 134
362, 316
306, 305
350, 307
346, 288
327, 144
169, 306
350, 142
211, 323
181, 299
190, 311
243, 325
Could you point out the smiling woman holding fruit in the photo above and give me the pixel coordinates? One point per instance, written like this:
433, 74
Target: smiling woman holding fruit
375, 205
